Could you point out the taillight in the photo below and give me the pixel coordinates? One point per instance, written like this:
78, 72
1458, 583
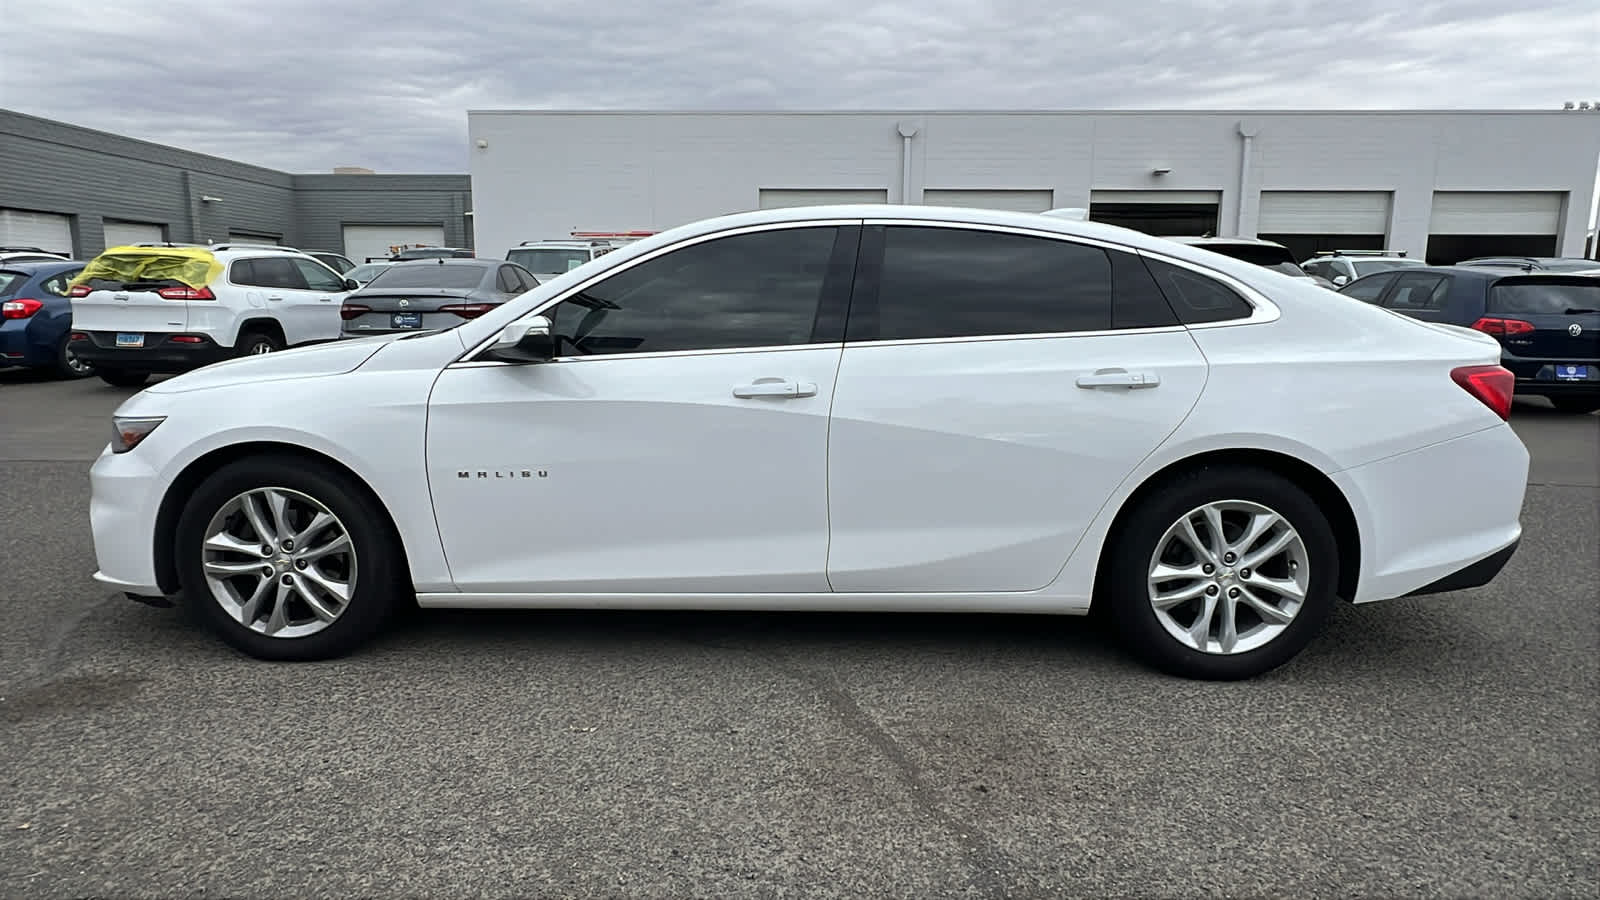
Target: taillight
78, 336
351, 310
1492, 385
20, 309
467, 310
1493, 325
79, 290
187, 339
186, 293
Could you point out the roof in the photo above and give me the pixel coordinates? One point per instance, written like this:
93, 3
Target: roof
41, 266
1491, 273
442, 261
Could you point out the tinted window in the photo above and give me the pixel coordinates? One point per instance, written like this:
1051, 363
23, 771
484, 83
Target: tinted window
1197, 298
1368, 266
750, 290
318, 276
429, 275
1417, 290
550, 259
507, 281
56, 284
278, 272
1137, 300
952, 282
525, 277
10, 282
1368, 289
1543, 298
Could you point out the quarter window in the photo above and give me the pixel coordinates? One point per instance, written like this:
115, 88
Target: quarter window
955, 282
1197, 298
762, 289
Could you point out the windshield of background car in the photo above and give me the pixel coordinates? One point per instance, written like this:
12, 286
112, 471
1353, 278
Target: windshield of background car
117, 270
435, 275
11, 282
549, 259
1543, 297
1368, 266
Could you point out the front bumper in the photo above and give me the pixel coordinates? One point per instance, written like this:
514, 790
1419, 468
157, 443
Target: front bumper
166, 355
122, 512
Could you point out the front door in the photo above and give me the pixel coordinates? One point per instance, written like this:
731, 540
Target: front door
316, 310
678, 442
995, 390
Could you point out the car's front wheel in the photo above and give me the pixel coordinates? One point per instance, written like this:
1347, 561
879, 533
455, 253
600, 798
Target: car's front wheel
285, 561
1226, 572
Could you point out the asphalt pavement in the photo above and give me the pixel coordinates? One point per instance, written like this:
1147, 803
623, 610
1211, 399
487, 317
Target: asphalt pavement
1441, 746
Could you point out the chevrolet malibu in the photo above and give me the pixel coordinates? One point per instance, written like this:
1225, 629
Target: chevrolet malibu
839, 408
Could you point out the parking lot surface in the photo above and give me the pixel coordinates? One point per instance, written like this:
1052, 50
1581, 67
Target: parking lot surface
1442, 746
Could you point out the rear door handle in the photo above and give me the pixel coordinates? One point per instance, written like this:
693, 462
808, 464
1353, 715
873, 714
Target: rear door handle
775, 387
1119, 378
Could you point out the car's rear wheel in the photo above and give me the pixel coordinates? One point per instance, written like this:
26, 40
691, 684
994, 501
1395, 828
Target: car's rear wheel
68, 365
255, 343
1576, 405
1226, 572
285, 561
122, 377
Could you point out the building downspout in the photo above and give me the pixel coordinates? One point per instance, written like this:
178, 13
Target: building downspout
907, 132
1248, 130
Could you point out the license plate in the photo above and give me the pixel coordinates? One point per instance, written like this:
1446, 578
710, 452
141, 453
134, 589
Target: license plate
1572, 373
130, 340
405, 320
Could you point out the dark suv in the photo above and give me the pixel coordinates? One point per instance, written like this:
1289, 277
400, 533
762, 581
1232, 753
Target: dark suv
1547, 323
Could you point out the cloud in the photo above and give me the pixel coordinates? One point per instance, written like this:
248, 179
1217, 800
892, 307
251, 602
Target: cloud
306, 86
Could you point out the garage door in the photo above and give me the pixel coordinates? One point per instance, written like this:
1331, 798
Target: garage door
1496, 212
363, 242
780, 198
1017, 201
46, 231
121, 234
245, 237
1324, 212
1170, 213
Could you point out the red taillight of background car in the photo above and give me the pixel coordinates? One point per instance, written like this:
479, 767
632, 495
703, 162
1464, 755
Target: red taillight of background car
79, 290
467, 310
351, 310
187, 339
186, 293
78, 336
21, 308
1494, 325
1492, 385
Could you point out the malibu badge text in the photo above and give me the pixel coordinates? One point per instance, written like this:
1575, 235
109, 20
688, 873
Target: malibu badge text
504, 473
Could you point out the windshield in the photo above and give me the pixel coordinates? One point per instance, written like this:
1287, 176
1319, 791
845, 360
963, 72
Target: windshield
434, 275
1544, 298
549, 259
10, 282
1368, 266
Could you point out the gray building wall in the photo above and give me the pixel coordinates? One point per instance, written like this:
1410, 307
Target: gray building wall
92, 176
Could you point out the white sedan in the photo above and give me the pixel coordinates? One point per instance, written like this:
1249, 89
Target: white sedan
839, 408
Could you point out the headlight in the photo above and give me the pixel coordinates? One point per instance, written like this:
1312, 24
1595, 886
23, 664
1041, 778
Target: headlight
129, 431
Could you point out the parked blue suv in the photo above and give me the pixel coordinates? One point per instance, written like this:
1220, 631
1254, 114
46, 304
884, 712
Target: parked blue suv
36, 316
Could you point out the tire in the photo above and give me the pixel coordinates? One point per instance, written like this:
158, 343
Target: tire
1575, 405
372, 565
255, 343
122, 377
1244, 495
67, 364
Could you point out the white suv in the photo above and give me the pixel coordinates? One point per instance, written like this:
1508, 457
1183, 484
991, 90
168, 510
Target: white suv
170, 308
547, 259
1344, 266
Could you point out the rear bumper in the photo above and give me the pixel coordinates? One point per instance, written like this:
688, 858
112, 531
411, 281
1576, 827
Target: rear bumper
1537, 377
1477, 574
167, 355
26, 342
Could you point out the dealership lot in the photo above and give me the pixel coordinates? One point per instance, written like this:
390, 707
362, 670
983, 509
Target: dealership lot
1442, 745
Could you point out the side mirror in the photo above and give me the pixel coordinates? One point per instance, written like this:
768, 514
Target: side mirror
350, 284
1341, 280
527, 340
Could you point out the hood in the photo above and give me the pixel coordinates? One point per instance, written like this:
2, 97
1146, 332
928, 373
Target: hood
333, 358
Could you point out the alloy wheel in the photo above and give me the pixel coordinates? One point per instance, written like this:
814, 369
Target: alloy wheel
279, 562
260, 347
1228, 577
77, 365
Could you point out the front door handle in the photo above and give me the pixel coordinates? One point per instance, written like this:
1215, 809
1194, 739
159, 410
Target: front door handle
1119, 378
775, 387
278, 299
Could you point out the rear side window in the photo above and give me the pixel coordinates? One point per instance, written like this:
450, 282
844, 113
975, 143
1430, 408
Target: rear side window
268, 272
1553, 298
429, 275
1417, 291
1196, 298
953, 282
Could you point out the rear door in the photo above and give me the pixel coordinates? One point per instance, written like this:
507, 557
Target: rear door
1552, 326
996, 387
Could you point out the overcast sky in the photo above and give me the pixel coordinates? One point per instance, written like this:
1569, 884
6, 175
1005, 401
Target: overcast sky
306, 86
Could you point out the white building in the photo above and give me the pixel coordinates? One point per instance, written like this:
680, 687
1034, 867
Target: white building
1447, 185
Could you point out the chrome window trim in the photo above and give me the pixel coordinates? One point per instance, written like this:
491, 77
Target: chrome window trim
481, 346
1030, 336
664, 354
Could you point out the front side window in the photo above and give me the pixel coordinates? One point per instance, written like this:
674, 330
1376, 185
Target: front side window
956, 282
318, 276
751, 290
1368, 289
1417, 291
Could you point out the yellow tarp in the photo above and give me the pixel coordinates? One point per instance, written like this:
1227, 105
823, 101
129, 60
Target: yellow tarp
191, 266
